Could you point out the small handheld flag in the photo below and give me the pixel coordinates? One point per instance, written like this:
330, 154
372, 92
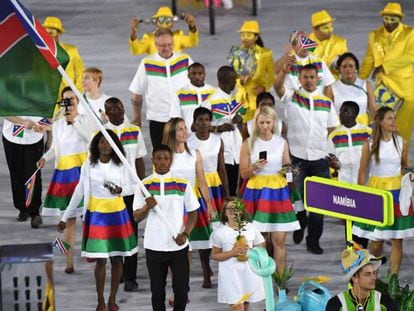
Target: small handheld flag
299, 38
45, 121
62, 246
30, 184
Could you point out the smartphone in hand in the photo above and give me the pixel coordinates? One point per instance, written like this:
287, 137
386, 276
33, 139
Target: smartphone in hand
263, 155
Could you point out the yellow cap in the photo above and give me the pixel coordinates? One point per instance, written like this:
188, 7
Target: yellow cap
163, 11
250, 26
392, 8
321, 17
54, 22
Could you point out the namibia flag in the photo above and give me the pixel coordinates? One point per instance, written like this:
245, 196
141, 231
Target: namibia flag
29, 56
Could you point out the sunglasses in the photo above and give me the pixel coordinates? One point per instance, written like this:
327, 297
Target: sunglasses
164, 20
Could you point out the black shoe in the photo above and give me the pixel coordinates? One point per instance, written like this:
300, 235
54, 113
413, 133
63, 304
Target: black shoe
131, 286
36, 221
298, 236
314, 249
22, 216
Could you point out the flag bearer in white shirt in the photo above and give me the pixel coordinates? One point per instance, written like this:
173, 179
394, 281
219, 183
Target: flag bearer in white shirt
176, 199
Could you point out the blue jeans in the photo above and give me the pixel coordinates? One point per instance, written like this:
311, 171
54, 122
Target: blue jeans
311, 168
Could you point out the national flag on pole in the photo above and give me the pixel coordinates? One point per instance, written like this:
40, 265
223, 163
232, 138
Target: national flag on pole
301, 39
30, 184
62, 246
29, 56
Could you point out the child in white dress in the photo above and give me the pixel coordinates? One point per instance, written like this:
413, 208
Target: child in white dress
235, 278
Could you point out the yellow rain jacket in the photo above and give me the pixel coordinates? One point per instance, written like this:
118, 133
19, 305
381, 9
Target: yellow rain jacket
329, 50
75, 67
147, 44
263, 76
395, 53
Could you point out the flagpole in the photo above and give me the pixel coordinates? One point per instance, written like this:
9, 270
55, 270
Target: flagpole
95, 119
32, 175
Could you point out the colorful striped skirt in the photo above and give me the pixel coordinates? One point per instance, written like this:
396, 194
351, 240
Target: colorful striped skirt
200, 236
267, 200
107, 229
403, 226
63, 184
215, 187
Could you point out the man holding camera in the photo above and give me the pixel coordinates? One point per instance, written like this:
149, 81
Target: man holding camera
163, 19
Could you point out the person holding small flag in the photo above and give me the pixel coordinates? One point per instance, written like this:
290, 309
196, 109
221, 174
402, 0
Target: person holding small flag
310, 117
23, 145
227, 115
299, 54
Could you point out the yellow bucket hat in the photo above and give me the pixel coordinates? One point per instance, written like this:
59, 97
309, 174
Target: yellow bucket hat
54, 23
321, 17
392, 8
353, 260
163, 11
250, 26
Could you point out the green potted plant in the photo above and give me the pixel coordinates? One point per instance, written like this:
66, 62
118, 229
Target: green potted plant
281, 279
239, 216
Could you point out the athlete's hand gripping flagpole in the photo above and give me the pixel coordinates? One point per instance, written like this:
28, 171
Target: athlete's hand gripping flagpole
54, 63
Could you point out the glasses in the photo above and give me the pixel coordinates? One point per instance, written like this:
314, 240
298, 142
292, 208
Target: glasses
390, 19
164, 20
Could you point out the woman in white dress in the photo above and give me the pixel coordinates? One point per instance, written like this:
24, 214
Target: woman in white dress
386, 155
235, 278
188, 164
351, 88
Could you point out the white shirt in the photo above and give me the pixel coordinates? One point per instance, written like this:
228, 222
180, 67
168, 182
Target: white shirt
309, 116
174, 196
132, 140
390, 159
96, 105
158, 80
16, 133
189, 99
209, 148
346, 143
356, 93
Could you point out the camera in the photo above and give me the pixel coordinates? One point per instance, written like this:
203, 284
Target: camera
65, 102
112, 187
